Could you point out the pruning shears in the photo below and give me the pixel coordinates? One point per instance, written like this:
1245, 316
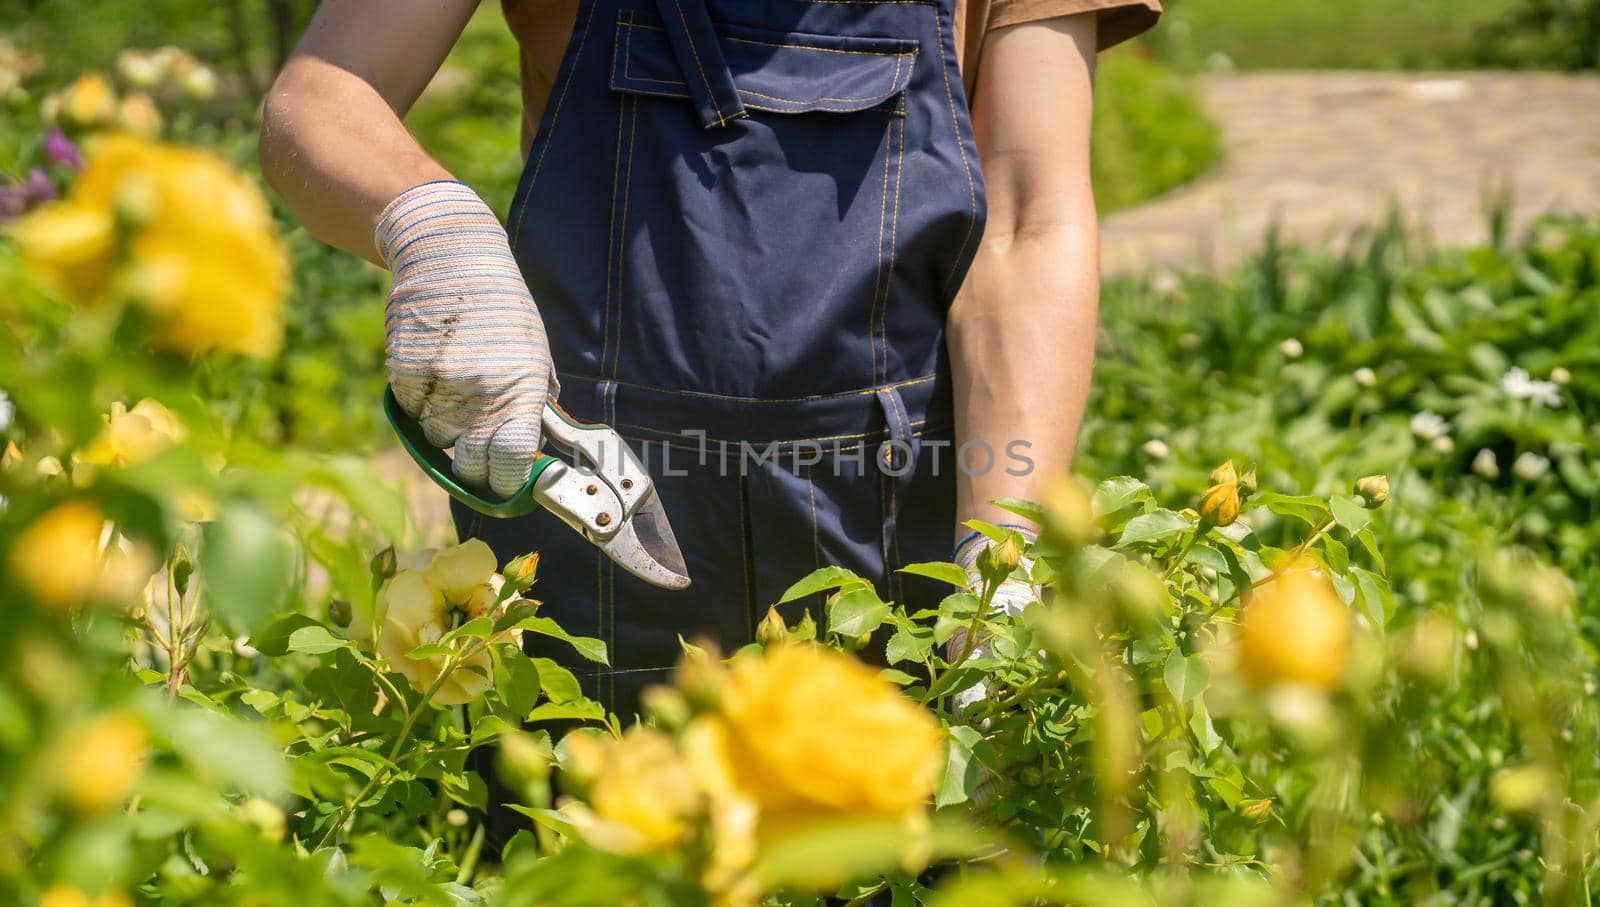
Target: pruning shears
608, 497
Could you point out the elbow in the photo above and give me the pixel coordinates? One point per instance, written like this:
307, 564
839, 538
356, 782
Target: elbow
273, 147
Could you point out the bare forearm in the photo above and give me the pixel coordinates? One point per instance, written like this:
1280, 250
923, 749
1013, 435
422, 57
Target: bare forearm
337, 154
1021, 340
332, 141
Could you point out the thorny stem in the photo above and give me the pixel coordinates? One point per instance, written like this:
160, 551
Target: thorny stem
1298, 552
971, 640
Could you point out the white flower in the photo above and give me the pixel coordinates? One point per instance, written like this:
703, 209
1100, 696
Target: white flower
1155, 449
1471, 639
1518, 386
1443, 444
8, 411
1165, 283
1560, 375
1428, 425
1291, 348
1365, 377
1486, 464
1530, 466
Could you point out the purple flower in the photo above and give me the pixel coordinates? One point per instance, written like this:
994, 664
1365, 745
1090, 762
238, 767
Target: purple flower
38, 188
59, 150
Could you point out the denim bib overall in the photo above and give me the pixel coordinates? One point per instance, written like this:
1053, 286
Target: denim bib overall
743, 222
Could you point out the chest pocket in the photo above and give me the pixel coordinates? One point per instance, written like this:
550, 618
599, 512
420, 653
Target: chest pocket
770, 71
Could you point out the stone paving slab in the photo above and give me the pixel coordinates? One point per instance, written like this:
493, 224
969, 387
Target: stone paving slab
1323, 153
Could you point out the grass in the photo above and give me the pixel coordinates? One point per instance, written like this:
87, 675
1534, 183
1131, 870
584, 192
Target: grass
1328, 34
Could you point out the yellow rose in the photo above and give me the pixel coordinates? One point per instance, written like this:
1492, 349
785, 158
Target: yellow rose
134, 434
460, 570
1294, 630
89, 101
102, 761
138, 114
200, 248
1220, 503
63, 896
811, 734
641, 796
70, 555
414, 613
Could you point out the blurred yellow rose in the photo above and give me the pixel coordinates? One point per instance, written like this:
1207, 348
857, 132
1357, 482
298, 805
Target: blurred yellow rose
1294, 630
71, 555
101, 761
134, 434
137, 114
413, 613
63, 896
808, 734
641, 796
89, 101
199, 250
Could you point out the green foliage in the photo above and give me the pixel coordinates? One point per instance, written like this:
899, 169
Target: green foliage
1544, 34
1150, 132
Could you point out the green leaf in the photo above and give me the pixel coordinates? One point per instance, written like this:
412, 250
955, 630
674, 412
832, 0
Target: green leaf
315, 640
580, 710
988, 530
273, 640
516, 680
1377, 601
558, 683
822, 580
911, 642
1028, 510
1153, 526
1338, 556
587, 646
1370, 542
1312, 510
477, 628
960, 777
1185, 677
1118, 492
953, 574
1349, 513
856, 612
245, 564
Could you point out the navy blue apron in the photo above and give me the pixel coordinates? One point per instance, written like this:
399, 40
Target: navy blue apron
743, 222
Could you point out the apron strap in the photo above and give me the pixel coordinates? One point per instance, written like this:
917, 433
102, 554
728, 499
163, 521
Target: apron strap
694, 43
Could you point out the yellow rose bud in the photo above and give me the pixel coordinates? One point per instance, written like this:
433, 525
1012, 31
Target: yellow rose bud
644, 791
102, 761
1256, 810
1220, 503
1372, 491
997, 559
520, 573
772, 629
459, 570
1294, 630
138, 114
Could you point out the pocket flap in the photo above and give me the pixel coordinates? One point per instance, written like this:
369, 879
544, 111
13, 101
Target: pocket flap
772, 71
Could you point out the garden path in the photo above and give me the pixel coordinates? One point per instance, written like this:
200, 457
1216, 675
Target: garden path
1323, 153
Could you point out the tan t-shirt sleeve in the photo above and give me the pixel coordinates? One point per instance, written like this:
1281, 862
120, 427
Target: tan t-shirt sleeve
1119, 19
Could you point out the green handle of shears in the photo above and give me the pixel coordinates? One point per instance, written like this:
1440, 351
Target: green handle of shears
436, 463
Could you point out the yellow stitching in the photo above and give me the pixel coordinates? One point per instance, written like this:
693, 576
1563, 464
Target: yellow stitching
744, 561
877, 281
781, 442
622, 237
961, 146
627, 61
549, 137
863, 392
894, 242
694, 52
611, 230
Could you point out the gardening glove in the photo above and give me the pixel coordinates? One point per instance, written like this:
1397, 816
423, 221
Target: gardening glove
1010, 598
465, 346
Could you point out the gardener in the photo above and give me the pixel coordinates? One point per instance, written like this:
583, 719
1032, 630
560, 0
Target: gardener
740, 221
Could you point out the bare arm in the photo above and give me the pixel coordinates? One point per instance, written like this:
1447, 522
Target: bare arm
332, 143
1021, 332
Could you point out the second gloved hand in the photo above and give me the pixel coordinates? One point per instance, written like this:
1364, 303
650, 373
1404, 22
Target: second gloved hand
465, 347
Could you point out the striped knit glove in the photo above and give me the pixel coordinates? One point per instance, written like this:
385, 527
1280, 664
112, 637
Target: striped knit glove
1010, 598
465, 347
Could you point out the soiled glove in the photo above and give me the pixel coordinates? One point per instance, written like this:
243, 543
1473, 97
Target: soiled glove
465, 346
1010, 598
